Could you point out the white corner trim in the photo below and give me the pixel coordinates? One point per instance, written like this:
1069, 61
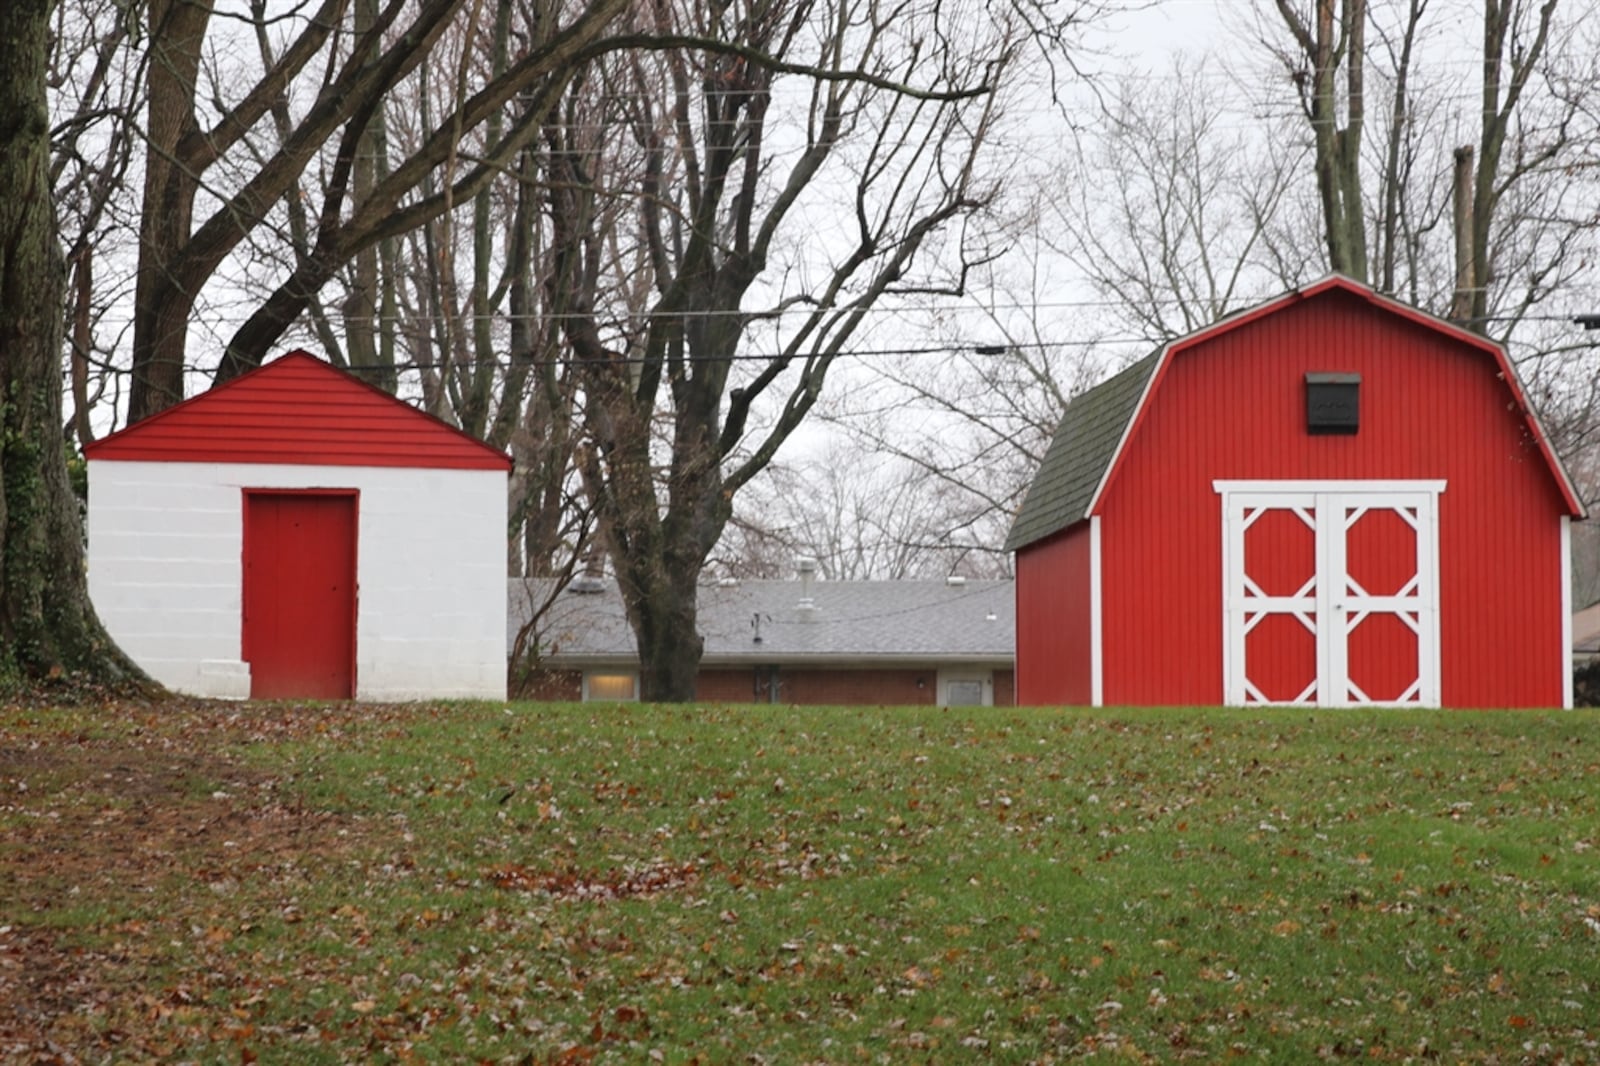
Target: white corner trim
1096, 632
1566, 612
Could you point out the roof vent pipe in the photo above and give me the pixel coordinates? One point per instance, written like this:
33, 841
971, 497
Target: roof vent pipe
593, 577
806, 567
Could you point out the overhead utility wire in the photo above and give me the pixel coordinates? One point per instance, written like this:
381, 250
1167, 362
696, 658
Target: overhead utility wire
1244, 303
1588, 322
988, 350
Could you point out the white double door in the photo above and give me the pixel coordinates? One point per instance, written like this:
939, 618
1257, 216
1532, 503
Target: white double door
1331, 592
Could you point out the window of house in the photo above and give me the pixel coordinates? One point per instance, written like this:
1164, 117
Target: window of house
966, 688
610, 685
964, 694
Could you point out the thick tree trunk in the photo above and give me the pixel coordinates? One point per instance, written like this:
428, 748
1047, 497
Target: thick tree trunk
658, 571
669, 640
659, 552
47, 626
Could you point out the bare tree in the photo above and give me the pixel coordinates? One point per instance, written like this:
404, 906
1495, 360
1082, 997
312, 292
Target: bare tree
1514, 42
863, 517
1401, 211
738, 139
961, 430
1514, 235
1329, 39
351, 77
1164, 216
96, 87
1177, 215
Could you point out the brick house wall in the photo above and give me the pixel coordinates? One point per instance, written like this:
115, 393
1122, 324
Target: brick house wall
874, 688
871, 687
549, 686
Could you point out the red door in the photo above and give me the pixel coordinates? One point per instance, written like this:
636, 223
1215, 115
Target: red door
299, 628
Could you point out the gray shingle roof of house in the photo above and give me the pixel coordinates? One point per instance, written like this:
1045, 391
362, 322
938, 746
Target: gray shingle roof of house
1080, 453
852, 622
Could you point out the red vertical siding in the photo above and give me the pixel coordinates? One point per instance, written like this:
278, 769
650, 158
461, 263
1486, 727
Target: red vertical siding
1054, 631
1232, 407
1161, 573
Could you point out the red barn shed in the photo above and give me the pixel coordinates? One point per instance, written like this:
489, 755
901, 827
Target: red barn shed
1332, 499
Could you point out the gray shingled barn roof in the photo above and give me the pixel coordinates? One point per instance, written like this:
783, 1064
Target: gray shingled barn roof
853, 622
1083, 448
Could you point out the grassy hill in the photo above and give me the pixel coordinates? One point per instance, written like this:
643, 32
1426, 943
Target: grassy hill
541, 883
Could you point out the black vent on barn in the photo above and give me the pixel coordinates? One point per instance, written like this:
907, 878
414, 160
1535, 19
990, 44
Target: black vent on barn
1333, 403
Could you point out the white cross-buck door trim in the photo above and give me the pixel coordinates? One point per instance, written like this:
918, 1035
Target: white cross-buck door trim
1327, 599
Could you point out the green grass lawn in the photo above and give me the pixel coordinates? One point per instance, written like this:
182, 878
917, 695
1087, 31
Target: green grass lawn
786, 885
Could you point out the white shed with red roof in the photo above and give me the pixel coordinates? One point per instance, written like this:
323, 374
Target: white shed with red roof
297, 533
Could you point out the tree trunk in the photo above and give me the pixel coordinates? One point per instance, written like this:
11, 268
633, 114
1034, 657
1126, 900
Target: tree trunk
47, 626
669, 640
1504, 79
1335, 34
161, 304
1352, 250
659, 559
1466, 287
1398, 159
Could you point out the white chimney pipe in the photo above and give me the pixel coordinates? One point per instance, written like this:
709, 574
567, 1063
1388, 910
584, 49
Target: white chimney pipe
806, 567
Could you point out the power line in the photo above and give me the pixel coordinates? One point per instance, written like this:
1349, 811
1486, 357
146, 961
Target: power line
1244, 301
982, 350
508, 362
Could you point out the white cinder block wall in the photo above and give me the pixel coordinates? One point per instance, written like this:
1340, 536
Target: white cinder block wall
165, 573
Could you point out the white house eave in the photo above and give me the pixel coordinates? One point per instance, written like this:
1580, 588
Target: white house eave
995, 661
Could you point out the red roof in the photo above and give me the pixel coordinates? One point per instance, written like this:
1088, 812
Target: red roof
298, 410
1338, 282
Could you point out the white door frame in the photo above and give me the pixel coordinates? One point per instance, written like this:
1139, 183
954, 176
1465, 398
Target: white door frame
1330, 604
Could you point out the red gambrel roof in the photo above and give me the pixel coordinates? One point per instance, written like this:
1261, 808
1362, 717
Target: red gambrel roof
1341, 283
298, 410
1091, 442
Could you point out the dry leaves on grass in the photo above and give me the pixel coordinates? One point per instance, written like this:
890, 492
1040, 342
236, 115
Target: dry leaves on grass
104, 808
